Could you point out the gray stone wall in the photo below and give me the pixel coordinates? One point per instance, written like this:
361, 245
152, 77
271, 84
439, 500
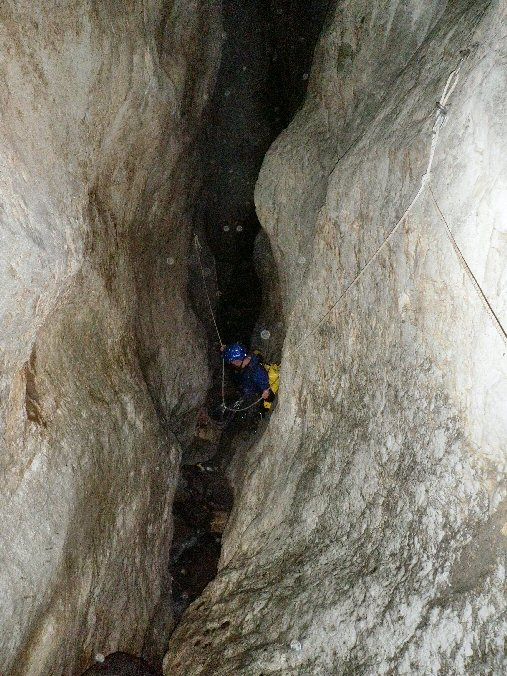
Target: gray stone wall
99, 104
369, 531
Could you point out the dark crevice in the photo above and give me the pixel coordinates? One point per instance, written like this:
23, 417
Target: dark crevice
266, 57
201, 508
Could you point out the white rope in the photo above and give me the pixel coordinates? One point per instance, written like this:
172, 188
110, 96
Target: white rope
198, 248
440, 119
471, 276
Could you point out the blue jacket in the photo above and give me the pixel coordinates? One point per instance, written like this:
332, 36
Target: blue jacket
253, 379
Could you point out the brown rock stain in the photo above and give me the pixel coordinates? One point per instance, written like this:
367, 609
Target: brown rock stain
33, 404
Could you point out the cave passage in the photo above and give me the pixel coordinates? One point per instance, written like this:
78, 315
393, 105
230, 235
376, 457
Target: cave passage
359, 527
266, 56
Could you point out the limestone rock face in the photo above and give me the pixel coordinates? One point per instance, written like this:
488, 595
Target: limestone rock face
99, 104
369, 534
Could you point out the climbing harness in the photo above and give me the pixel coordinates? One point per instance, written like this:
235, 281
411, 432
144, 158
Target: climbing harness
224, 406
440, 121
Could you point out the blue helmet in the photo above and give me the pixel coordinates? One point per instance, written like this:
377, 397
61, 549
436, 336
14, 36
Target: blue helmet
234, 351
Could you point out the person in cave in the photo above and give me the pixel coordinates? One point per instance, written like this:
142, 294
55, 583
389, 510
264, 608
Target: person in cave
253, 377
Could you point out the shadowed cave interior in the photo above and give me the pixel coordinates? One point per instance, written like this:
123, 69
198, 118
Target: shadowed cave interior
266, 57
327, 180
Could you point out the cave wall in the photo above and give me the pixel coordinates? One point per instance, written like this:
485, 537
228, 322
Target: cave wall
100, 105
369, 530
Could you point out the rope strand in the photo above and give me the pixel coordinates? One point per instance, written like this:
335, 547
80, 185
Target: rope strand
198, 248
440, 119
471, 276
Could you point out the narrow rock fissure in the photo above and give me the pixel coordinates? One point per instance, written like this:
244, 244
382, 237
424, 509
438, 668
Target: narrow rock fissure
170, 211
266, 56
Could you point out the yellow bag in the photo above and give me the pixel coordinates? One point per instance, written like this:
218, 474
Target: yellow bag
273, 371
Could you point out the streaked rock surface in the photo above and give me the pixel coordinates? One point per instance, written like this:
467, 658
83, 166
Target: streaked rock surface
370, 525
100, 103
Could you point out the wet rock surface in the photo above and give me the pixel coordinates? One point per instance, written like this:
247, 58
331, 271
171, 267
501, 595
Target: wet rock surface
368, 530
